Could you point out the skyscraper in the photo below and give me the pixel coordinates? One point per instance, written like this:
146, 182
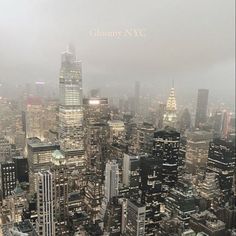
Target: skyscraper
45, 223
151, 188
145, 135
131, 175
135, 219
221, 160
111, 180
166, 151
71, 109
39, 155
34, 118
8, 178
96, 114
170, 116
60, 175
111, 185
201, 110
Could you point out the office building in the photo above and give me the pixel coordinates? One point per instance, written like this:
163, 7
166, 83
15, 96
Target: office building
201, 110
166, 151
116, 131
93, 196
113, 216
60, 176
135, 219
185, 121
34, 118
131, 175
197, 149
221, 160
96, 110
111, 180
5, 150
45, 223
8, 179
145, 134
71, 133
151, 190
39, 155
22, 169
221, 121
181, 202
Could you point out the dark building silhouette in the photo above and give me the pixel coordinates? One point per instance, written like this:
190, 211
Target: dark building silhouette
185, 121
166, 151
22, 169
221, 160
201, 111
8, 179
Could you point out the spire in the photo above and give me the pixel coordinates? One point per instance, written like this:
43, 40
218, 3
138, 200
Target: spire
171, 102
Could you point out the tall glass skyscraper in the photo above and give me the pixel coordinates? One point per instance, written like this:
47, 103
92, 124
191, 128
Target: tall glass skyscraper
70, 109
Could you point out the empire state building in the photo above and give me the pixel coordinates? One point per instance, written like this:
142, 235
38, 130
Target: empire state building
71, 109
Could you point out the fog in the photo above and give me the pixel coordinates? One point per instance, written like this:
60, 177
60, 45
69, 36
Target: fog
119, 42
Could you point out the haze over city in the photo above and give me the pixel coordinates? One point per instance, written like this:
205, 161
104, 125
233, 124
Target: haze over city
189, 41
117, 118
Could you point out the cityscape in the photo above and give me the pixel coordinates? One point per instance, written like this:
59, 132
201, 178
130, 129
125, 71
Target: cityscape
115, 158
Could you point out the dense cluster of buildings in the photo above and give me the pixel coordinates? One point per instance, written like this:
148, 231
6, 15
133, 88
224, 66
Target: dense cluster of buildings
81, 165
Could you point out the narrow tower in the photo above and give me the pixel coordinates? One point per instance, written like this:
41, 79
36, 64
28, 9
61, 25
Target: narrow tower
70, 109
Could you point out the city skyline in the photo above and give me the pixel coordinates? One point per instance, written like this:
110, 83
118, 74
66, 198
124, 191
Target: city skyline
137, 134
201, 50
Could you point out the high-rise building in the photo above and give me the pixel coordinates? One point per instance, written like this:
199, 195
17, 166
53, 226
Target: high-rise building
34, 118
170, 115
113, 216
96, 110
116, 131
22, 169
151, 188
197, 149
111, 189
135, 219
181, 201
39, 155
5, 150
96, 144
131, 175
145, 135
221, 160
93, 196
71, 109
60, 176
201, 110
8, 179
221, 121
96, 114
111, 180
166, 151
45, 223
185, 121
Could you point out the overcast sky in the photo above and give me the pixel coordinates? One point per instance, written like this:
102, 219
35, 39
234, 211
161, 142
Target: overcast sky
190, 41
